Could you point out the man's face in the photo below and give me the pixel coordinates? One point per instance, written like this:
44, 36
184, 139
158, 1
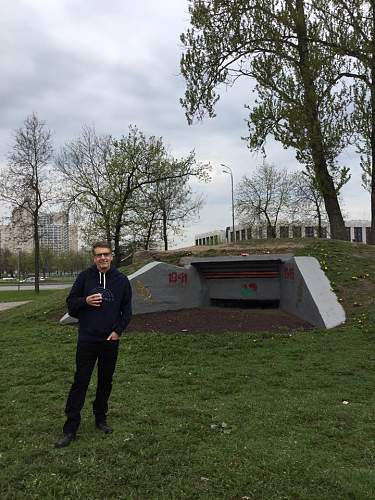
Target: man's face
102, 258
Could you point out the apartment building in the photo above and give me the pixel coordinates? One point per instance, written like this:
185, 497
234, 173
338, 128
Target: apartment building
55, 232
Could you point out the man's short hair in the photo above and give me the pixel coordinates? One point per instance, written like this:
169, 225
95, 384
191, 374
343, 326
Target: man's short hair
101, 244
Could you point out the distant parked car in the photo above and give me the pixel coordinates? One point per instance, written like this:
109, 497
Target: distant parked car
31, 279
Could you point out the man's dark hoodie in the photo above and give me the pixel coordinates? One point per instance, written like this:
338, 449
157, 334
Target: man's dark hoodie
114, 314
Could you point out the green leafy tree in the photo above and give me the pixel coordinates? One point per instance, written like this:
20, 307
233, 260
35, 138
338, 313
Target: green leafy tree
47, 261
144, 224
103, 174
6, 267
349, 31
299, 101
72, 262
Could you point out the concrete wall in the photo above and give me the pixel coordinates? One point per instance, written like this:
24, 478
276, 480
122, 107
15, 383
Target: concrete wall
158, 287
302, 288
245, 289
306, 292
163, 287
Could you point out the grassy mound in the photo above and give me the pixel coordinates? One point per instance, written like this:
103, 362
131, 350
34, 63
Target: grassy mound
350, 267
250, 416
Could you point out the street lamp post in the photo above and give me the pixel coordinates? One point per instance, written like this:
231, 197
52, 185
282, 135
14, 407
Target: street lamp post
229, 171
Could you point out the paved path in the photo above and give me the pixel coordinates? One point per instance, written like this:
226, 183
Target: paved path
10, 305
9, 288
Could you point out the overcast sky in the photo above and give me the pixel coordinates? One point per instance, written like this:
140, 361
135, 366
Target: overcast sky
116, 63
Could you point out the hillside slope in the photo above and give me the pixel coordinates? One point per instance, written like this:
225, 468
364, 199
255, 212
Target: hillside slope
350, 267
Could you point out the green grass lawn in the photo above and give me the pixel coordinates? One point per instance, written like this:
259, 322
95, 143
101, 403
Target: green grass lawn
255, 416
46, 281
15, 296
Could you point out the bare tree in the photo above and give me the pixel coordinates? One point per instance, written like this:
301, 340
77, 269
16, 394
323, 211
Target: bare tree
171, 204
24, 182
266, 196
310, 203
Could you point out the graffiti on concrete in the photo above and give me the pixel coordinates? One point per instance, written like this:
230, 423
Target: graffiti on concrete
143, 291
177, 278
249, 290
288, 273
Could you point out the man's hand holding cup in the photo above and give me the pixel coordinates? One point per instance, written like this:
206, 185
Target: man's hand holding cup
94, 300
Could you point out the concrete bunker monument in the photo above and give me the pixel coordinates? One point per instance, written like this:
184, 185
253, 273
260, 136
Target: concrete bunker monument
296, 285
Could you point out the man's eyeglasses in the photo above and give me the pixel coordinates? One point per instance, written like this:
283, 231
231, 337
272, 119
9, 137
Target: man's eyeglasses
104, 254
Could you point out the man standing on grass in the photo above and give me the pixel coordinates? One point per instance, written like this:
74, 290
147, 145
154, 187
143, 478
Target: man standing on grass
101, 300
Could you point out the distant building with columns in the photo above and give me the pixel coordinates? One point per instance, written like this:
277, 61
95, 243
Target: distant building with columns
357, 230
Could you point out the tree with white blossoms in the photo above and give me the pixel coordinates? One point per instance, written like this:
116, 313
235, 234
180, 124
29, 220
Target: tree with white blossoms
267, 197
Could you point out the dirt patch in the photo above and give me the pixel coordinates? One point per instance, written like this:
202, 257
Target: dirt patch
217, 320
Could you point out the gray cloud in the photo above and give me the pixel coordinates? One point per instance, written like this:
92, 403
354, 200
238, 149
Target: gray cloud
113, 64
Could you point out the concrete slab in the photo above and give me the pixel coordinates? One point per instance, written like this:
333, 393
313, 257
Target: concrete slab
306, 292
236, 258
297, 284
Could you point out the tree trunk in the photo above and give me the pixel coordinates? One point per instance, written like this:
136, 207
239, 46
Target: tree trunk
36, 251
165, 232
116, 249
324, 179
149, 232
271, 231
319, 214
372, 139
107, 226
118, 228
270, 228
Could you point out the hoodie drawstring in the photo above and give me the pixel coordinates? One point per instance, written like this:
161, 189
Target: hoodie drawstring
100, 279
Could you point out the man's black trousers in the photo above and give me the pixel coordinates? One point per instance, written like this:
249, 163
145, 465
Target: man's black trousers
105, 353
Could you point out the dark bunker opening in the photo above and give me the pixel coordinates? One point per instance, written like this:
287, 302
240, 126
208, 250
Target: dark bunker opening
242, 282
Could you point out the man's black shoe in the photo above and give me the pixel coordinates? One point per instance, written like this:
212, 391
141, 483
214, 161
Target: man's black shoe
65, 440
102, 426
